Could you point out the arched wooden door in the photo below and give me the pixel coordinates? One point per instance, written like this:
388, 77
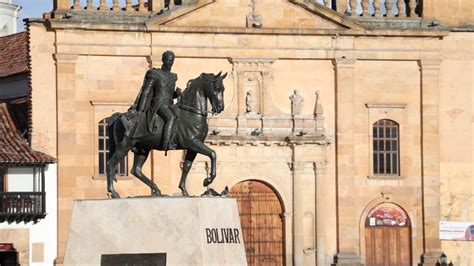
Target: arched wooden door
260, 212
387, 236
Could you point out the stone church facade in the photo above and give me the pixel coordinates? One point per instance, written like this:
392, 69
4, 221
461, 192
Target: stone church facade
360, 169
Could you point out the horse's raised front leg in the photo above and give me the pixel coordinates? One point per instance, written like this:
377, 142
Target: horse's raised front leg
138, 160
199, 147
188, 162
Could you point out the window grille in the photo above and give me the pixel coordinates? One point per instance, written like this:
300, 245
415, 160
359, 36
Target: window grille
386, 148
104, 151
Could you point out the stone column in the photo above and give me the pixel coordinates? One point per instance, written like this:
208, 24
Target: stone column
156, 5
341, 6
348, 237
61, 4
430, 160
304, 198
66, 138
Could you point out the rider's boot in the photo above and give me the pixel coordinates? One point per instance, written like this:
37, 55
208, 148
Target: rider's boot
169, 118
167, 133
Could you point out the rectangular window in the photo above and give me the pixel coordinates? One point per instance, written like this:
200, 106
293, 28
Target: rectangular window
104, 151
386, 147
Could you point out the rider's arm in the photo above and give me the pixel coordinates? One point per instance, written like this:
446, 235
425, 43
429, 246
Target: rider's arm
146, 91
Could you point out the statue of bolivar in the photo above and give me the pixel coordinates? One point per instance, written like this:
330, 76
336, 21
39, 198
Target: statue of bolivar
155, 97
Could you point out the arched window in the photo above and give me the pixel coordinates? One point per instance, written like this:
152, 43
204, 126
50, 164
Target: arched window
386, 148
104, 149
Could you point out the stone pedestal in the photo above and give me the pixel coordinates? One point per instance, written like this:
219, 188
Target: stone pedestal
191, 231
430, 258
347, 259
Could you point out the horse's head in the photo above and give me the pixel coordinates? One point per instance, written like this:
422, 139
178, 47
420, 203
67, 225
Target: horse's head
215, 91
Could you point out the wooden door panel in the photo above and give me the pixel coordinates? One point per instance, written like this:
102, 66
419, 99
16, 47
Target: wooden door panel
392, 243
405, 247
260, 215
369, 247
387, 246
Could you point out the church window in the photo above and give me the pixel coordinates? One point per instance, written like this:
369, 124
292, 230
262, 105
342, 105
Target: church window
386, 150
104, 150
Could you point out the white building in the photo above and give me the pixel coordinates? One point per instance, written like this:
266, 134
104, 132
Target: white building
8, 17
28, 199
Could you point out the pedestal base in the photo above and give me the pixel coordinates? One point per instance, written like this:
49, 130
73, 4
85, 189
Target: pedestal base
430, 258
191, 231
347, 259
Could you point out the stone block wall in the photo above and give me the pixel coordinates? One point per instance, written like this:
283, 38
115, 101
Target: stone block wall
457, 140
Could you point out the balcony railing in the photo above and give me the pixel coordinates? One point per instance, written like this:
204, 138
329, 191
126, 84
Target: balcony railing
363, 9
22, 206
382, 8
117, 6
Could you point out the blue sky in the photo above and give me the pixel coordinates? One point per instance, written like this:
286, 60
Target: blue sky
32, 9
36, 8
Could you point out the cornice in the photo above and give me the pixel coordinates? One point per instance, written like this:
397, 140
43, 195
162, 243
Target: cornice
60, 24
267, 140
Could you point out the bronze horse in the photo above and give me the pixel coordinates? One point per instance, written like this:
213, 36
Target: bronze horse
191, 130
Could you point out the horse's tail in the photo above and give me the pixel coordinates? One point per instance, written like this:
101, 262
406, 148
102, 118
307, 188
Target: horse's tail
111, 133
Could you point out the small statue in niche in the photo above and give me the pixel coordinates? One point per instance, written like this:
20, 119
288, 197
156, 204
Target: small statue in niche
296, 102
249, 102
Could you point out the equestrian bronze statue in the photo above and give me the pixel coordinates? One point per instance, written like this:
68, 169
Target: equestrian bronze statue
144, 126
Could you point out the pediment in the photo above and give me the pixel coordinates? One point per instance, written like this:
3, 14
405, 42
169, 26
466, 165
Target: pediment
271, 14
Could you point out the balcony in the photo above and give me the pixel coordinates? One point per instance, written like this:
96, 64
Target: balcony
22, 206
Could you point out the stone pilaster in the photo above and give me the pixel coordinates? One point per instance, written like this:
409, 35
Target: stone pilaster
153, 60
348, 238
66, 136
321, 212
304, 193
156, 5
430, 160
288, 218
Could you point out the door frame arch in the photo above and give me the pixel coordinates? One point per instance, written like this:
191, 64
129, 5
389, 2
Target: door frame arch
269, 183
371, 205
286, 219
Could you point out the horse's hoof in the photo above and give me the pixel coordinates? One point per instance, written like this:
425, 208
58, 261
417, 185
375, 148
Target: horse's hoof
114, 195
156, 193
206, 182
184, 193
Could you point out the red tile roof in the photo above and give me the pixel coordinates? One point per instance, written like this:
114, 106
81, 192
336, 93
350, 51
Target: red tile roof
15, 149
13, 54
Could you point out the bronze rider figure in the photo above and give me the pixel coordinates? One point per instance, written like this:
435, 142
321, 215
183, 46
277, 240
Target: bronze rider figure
156, 97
